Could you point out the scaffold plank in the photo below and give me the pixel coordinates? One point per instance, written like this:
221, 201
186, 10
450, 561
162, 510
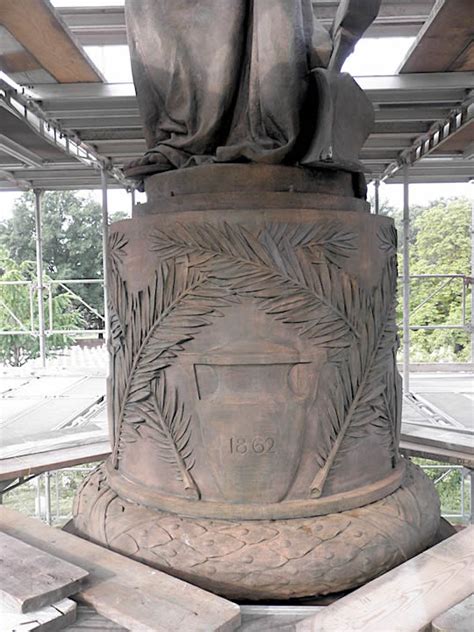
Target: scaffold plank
48, 619
131, 594
408, 597
31, 579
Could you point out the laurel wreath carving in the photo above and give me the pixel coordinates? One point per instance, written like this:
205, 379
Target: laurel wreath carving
294, 273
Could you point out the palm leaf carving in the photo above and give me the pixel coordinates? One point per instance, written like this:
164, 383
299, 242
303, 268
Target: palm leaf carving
321, 301
160, 320
387, 238
328, 240
171, 431
117, 301
353, 385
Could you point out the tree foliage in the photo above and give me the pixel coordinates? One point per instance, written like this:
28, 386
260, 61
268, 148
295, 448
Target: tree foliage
439, 244
72, 249
439, 240
19, 311
72, 242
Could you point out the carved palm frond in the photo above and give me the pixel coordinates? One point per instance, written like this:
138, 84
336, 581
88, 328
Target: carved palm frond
323, 303
116, 250
169, 313
352, 386
169, 428
387, 238
327, 239
117, 291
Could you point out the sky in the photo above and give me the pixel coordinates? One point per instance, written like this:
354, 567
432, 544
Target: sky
372, 56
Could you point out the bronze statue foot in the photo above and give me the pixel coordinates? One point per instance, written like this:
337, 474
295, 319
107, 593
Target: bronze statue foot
150, 163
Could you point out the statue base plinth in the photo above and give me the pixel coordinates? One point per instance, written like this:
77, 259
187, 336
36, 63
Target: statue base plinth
266, 559
254, 399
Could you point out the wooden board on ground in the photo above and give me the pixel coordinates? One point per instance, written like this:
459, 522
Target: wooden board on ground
408, 597
128, 592
457, 619
31, 579
47, 619
88, 620
271, 618
254, 618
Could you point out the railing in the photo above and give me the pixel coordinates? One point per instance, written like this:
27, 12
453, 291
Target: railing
50, 495
446, 281
27, 324
465, 511
31, 328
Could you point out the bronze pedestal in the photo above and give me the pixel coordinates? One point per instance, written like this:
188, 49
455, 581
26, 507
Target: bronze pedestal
255, 403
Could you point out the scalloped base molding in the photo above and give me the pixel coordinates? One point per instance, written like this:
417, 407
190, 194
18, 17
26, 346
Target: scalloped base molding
266, 559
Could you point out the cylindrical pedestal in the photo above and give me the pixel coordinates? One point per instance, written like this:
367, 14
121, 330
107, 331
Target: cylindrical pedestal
254, 398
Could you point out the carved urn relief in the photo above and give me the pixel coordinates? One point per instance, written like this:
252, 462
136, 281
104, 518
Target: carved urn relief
255, 403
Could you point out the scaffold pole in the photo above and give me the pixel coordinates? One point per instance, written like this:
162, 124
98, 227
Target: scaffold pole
377, 196
406, 278
39, 274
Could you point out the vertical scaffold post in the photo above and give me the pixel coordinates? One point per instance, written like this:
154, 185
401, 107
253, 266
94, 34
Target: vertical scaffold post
472, 271
105, 235
471, 504
406, 279
47, 497
377, 196
39, 274
132, 195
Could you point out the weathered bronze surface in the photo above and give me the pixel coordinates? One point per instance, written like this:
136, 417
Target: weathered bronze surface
254, 399
247, 80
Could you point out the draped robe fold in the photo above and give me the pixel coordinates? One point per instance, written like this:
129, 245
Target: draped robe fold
225, 80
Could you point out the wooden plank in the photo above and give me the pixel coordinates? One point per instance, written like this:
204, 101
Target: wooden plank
457, 619
127, 592
31, 579
457, 143
449, 438
88, 620
434, 453
408, 597
54, 459
270, 618
47, 619
40, 30
440, 444
444, 39
465, 61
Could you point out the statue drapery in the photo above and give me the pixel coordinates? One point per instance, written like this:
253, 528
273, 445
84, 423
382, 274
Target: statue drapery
239, 80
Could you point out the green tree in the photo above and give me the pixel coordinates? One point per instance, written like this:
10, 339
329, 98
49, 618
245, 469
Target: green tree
439, 241
18, 308
441, 246
72, 242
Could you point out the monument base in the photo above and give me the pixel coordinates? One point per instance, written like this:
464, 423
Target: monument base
266, 559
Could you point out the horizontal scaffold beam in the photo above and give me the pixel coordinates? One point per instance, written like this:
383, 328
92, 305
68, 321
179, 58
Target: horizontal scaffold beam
380, 88
106, 25
459, 120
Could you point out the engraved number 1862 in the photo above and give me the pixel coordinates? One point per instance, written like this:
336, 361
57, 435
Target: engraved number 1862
258, 445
